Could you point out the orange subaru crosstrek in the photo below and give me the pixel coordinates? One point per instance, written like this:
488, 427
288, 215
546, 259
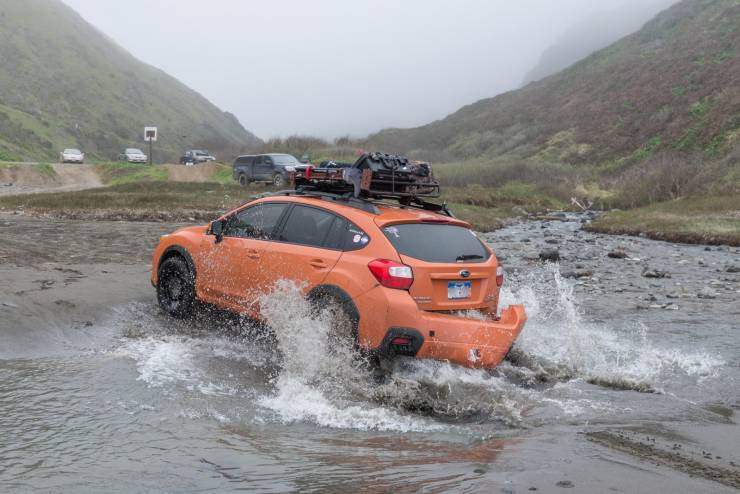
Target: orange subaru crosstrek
401, 280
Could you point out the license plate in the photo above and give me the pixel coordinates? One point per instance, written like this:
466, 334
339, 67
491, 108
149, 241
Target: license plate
457, 290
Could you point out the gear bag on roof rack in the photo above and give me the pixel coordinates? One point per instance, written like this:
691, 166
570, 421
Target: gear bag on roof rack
373, 175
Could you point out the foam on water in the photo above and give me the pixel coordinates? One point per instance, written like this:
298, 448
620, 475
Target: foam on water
163, 361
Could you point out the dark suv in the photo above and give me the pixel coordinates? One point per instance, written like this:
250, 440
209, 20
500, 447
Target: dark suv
269, 168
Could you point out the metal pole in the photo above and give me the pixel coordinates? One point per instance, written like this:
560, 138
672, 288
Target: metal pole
150, 151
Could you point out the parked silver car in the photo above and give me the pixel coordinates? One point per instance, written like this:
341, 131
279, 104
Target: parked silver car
133, 155
72, 155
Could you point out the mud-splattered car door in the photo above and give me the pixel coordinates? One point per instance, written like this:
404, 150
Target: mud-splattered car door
233, 270
300, 252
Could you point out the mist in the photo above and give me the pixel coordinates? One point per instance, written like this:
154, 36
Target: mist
332, 67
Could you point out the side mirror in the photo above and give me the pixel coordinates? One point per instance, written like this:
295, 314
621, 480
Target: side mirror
217, 229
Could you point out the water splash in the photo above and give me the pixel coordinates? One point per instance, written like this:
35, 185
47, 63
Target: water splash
307, 376
320, 382
561, 342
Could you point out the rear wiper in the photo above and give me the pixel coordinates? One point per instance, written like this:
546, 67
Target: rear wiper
468, 257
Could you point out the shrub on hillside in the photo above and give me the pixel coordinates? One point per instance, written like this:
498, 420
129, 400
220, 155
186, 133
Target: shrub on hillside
665, 177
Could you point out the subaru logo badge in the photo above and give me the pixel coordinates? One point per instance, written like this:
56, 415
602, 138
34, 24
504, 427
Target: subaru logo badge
464, 273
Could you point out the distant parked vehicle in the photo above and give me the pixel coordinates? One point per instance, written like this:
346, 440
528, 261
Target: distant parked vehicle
196, 156
72, 155
133, 155
269, 168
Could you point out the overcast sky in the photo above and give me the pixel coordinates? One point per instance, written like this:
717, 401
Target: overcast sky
333, 67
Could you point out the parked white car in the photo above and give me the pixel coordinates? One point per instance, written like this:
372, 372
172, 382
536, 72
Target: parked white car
72, 155
133, 155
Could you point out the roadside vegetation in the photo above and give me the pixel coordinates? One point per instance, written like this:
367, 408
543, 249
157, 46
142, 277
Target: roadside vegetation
114, 173
674, 199
706, 220
146, 201
315, 149
187, 201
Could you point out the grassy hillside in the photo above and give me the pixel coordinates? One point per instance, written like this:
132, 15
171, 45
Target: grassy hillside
65, 84
671, 88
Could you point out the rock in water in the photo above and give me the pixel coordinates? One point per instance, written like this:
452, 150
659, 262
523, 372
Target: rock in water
706, 293
551, 255
578, 274
617, 254
654, 273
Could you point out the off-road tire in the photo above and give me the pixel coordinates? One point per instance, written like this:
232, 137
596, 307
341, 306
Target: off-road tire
243, 180
278, 180
176, 287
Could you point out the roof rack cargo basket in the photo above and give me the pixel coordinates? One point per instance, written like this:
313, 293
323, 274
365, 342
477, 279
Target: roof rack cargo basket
372, 176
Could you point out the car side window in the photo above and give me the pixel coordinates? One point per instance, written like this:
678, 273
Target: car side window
257, 222
268, 160
307, 226
257, 160
335, 237
354, 238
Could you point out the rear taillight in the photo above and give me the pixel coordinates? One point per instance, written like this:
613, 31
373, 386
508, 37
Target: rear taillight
392, 274
499, 276
307, 172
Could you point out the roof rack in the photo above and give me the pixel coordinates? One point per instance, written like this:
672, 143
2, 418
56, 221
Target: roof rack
372, 176
354, 202
364, 204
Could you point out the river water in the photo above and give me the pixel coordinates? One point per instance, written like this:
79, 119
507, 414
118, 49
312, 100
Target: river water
151, 404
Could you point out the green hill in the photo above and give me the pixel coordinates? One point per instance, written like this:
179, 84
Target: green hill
672, 87
65, 84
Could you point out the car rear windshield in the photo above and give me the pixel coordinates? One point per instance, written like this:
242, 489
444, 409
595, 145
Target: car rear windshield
285, 159
437, 243
134, 151
72, 151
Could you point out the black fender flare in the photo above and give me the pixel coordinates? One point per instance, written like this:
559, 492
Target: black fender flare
174, 250
334, 291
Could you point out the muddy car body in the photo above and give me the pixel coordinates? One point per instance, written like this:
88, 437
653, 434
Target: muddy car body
406, 281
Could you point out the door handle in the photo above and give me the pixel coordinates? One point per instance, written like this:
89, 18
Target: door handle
318, 264
253, 254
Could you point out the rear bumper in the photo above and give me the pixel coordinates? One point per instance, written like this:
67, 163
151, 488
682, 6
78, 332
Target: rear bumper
478, 343
471, 342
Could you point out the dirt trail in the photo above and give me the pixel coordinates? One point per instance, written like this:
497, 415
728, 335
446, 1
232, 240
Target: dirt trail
28, 178
196, 173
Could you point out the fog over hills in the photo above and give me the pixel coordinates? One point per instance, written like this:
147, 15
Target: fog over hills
597, 31
65, 84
